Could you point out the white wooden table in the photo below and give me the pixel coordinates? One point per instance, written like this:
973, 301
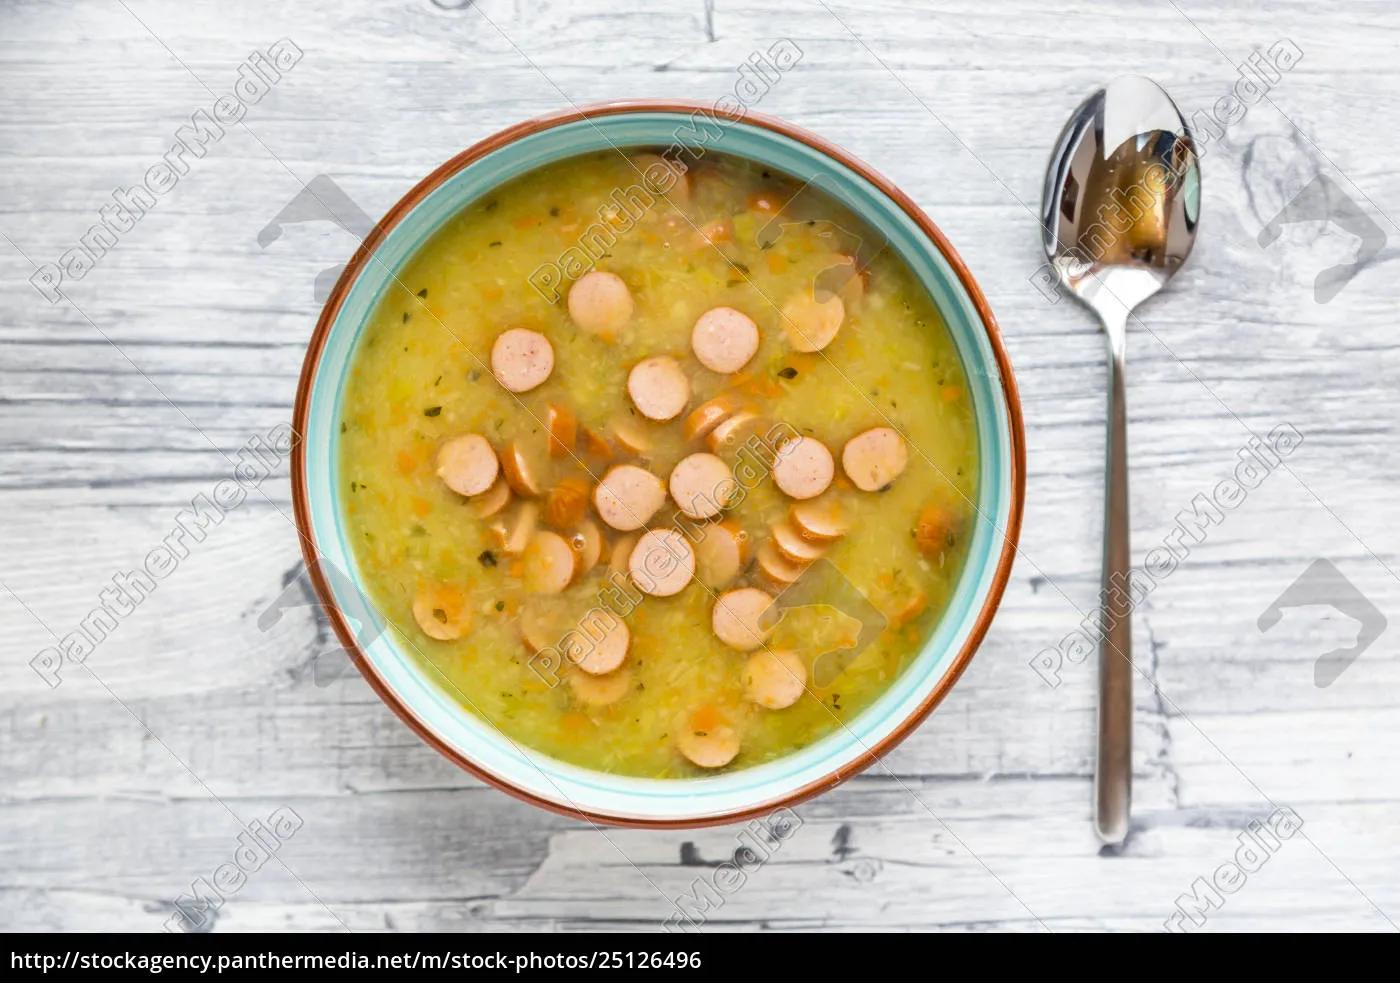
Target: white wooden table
128, 781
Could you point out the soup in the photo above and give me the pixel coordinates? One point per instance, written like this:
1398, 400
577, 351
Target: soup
658, 469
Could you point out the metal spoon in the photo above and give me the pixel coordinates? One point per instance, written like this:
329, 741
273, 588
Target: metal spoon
1122, 196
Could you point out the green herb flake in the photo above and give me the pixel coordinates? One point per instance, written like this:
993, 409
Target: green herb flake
432, 411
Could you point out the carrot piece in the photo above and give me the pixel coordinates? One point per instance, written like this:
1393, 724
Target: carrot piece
951, 394
406, 462
421, 507
932, 529
777, 263
566, 503
574, 721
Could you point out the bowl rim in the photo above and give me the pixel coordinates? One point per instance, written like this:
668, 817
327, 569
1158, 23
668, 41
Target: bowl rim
1016, 458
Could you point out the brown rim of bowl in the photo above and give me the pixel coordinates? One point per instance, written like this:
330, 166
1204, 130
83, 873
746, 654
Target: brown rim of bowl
538, 124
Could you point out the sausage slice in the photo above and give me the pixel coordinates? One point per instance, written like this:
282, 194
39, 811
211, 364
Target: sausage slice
658, 387
631, 435
874, 458
774, 679
599, 652
662, 563
780, 571
600, 691
708, 415
563, 429
521, 359
820, 520
520, 469
732, 431
724, 339
442, 612
708, 743
549, 563
721, 554
587, 544
491, 501
467, 464
628, 496
702, 485
804, 468
514, 533
743, 618
811, 324
600, 304
791, 544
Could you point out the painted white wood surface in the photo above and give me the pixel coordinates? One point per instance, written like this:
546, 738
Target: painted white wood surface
115, 795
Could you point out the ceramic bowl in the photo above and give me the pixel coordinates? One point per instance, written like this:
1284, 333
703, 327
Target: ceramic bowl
474, 744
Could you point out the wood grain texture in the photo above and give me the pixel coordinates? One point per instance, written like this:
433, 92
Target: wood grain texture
127, 782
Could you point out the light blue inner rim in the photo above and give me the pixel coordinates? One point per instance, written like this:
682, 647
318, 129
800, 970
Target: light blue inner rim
772, 149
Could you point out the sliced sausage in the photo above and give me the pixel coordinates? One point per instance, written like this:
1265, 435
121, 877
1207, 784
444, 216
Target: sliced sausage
775, 679
724, 339
600, 691
708, 415
743, 618
600, 304
587, 544
491, 501
628, 496
442, 612
707, 740
780, 571
599, 649
563, 429
811, 324
631, 435
791, 544
521, 469
821, 520
702, 485
733, 430
622, 552
720, 554
658, 387
549, 563
803, 468
662, 563
513, 533
521, 359
874, 458
542, 624
467, 464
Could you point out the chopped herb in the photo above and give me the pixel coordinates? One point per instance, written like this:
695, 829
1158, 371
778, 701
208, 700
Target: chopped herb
500, 424
787, 372
417, 530
406, 316
493, 244
437, 380
732, 283
487, 558
423, 292
885, 488
354, 487
491, 204
742, 268
766, 174
474, 375
554, 212
342, 428
500, 605
432, 411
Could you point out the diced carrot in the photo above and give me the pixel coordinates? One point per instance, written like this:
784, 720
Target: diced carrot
406, 462
777, 263
566, 503
421, 507
951, 394
596, 445
574, 722
492, 292
931, 530
516, 568
526, 222
911, 609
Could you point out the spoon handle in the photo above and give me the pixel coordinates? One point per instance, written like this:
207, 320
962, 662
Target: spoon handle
1113, 771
